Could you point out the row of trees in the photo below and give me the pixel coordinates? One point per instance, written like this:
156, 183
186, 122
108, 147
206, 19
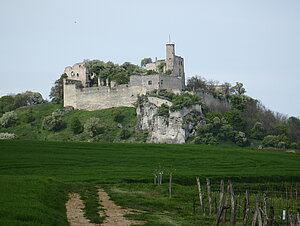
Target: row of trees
246, 119
12, 102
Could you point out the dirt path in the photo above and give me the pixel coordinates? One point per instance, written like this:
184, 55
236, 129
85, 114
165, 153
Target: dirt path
75, 212
114, 214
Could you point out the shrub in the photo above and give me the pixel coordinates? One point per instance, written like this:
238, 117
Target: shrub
125, 134
257, 131
240, 139
93, 127
294, 145
207, 138
76, 126
27, 117
163, 110
8, 136
270, 141
52, 123
8, 119
118, 117
184, 100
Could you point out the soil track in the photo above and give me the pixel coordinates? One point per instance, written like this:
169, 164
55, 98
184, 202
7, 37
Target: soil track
114, 214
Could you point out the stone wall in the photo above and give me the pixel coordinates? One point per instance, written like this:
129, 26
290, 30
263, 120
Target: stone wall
97, 98
78, 72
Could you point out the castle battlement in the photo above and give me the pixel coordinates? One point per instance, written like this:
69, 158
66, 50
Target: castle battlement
79, 95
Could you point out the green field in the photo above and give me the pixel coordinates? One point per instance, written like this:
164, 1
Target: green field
35, 177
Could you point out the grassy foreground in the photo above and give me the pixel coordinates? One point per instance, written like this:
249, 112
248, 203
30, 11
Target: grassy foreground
35, 176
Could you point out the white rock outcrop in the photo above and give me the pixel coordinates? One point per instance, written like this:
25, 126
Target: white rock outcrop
174, 129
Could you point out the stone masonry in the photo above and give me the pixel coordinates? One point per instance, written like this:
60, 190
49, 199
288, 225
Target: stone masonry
79, 95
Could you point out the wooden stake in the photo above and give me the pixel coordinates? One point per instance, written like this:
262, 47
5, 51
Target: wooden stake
170, 186
200, 196
265, 211
220, 206
247, 208
209, 195
255, 213
220, 214
259, 218
271, 215
226, 202
232, 217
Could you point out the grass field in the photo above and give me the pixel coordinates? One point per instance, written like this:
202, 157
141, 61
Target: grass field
35, 177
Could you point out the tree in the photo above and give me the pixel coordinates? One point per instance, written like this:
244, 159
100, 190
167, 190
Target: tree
145, 61
28, 98
238, 102
257, 131
8, 119
53, 123
56, 93
6, 104
93, 127
240, 138
238, 89
76, 126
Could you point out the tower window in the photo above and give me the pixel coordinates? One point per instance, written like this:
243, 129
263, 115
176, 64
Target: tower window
77, 74
72, 73
149, 82
161, 82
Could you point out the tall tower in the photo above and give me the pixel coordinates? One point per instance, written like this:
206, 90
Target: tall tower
170, 57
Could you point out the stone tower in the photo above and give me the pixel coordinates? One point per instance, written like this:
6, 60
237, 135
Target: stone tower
170, 57
174, 63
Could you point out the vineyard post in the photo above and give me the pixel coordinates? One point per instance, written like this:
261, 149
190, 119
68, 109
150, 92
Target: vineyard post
209, 195
200, 196
232, 217
265, 211
226, 202
170, 186
247, 208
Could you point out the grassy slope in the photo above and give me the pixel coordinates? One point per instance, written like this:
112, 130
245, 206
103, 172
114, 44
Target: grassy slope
34, 131
30, 171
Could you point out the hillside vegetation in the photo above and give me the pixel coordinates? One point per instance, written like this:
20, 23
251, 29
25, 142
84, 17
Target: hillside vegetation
113, 125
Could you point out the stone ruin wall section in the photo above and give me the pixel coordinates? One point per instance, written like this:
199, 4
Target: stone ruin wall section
97, 98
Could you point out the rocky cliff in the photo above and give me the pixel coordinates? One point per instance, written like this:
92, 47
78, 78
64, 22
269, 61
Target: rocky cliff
173, 128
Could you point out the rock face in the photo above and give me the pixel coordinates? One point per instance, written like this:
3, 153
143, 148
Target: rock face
173, 129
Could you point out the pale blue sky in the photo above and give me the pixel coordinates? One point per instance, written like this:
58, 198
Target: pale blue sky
255, 42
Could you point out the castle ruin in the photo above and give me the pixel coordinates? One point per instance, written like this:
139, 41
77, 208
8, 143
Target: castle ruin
79, 94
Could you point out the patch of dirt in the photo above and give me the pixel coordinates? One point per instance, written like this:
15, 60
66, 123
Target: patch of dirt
75, 212
115, 214
290, 151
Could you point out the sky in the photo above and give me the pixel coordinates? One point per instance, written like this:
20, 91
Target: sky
254, 42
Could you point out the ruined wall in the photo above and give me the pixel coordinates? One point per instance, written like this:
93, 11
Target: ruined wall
78, 72
97, 98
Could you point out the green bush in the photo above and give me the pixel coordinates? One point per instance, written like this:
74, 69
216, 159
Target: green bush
7, 136
28, 116
118, 117
163, 110
257, 131
270, 141
93, 127
184, 100
240, 139
207, 138
76, 126
125, 134
8, 119
53, 123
